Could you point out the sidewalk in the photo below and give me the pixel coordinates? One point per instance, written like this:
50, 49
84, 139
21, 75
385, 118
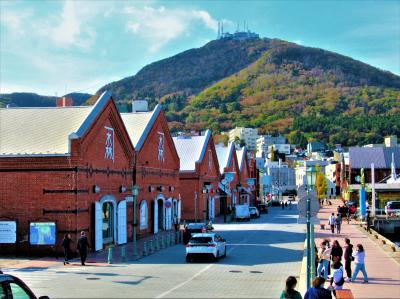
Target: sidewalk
99, 258
383, 271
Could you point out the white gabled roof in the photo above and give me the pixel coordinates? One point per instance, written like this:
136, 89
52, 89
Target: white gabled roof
191, 149
224, 154
45, 131
241, 155
138, 125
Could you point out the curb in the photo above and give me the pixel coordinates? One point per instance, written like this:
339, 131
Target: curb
302, 285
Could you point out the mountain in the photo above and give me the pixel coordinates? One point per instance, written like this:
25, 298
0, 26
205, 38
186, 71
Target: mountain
26, 99
304, 93
189, 72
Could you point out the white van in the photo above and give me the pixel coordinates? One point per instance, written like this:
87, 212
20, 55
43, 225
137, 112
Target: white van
242, 212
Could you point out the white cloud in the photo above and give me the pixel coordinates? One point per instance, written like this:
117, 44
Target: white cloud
158, 26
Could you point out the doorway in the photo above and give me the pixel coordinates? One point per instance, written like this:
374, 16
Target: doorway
108, 222
160, 205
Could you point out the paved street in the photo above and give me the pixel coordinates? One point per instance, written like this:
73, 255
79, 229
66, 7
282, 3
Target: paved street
261, 254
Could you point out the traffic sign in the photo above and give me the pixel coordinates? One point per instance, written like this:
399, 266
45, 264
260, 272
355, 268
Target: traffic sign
302, 204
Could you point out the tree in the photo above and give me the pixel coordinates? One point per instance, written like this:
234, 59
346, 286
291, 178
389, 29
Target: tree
321, 183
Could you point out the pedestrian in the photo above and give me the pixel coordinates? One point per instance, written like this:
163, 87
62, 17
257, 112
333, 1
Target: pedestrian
83, 246
359, 263
176, 224
368, 220
338, 223
283, 205
289, 291
66, 245
336, 251
348, 258
286, 204
317, 291
290, 204
324, 253
337, 279
331, 222
348, 214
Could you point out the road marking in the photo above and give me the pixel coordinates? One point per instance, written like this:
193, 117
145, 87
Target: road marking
185, 282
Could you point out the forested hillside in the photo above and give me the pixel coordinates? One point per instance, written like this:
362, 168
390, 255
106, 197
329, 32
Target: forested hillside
304, 93
26, 99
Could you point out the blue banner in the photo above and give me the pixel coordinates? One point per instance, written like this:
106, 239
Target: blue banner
363, 203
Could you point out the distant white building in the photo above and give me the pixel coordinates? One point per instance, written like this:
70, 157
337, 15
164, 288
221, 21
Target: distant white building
264, 141
248, 135
301, 169
281, 176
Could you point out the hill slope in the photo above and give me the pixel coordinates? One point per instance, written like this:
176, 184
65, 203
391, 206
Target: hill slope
304, 93
26, 99
190, 71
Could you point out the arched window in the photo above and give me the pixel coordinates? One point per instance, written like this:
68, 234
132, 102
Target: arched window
144, 215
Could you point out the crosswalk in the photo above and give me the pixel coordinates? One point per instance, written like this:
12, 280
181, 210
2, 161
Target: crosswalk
34, 276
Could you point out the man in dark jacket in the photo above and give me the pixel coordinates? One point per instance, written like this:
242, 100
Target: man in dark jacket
348, 251
83, 246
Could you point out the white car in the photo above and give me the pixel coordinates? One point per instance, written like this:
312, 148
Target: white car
206, 244
254, 213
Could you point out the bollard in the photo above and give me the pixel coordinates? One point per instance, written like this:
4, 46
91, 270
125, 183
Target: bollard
123, 253
110, 255
162, 242
144, 248
157, 243
151, 249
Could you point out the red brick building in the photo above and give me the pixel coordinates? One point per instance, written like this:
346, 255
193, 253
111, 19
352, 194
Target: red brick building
157, 170
199, 176
229, 169
246, 194
65, 170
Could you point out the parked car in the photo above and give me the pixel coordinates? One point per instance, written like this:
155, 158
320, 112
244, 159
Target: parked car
12, 288
275, 200
291, 198
205, 245
254, 213
242, 212
392, 208
193, 228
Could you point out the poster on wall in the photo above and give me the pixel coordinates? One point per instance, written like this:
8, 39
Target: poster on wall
42, 233
8, 232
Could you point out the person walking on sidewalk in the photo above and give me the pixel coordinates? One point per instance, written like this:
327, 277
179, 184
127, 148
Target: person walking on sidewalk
324, 253
348, 258
359, 261
283, 205
338, 223
289, 292
317, 291
331, 222
83, 246
66, 245
368, 220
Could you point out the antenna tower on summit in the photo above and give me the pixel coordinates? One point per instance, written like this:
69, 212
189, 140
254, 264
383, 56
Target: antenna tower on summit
238, 35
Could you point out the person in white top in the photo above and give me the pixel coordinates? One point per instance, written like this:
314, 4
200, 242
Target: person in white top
324, 254
359, 262
337, 279
331, 222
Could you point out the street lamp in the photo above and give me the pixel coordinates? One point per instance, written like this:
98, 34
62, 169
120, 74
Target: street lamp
311, 175
205, 191
135, 191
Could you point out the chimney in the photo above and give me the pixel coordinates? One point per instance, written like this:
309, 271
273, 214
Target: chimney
64, 102
140, 106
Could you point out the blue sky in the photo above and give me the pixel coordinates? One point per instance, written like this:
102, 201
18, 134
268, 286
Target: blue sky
50, 47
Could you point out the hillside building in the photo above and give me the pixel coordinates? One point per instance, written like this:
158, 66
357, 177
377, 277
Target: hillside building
248, 135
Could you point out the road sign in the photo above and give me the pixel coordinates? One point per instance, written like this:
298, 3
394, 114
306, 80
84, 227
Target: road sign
302, 204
